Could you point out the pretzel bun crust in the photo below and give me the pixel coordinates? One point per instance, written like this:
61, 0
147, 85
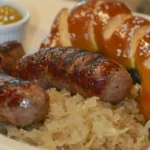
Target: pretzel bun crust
81, 30
110, 28
59, 31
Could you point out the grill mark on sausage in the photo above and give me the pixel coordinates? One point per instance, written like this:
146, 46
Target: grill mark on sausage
71, 67
73, 56
92, 64
77, 74
59, 58
96, 60
85, 75
41, 60
12, 82
57, 68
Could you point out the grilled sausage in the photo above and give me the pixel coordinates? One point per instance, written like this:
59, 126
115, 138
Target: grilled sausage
21, 102
10, 52
77, 70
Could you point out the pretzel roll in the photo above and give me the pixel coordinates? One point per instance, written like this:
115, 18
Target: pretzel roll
107, 16
59, 34
81, 26
142, 62
122, 44
109, 27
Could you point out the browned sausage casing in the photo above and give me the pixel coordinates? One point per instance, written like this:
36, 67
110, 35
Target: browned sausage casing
21, 102
78, 71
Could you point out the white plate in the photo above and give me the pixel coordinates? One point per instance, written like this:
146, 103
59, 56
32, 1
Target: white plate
43, 13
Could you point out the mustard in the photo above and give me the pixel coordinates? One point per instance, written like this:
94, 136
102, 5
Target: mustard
9, 15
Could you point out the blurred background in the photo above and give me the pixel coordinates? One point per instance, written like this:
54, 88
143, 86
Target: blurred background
141, 6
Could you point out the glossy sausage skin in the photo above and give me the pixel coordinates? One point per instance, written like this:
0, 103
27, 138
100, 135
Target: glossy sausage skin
21, 102
78, 71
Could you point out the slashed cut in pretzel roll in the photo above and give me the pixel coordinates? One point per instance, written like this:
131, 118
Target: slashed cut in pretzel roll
109, 27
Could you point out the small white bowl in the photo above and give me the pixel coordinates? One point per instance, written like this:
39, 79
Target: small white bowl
14, 31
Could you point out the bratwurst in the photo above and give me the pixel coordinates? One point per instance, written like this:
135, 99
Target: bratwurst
78, 71
21, 102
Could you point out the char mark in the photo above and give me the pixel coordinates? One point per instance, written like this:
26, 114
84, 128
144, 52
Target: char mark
73, 56
12, 82
92, 64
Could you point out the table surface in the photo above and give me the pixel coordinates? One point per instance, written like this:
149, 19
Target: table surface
42, 13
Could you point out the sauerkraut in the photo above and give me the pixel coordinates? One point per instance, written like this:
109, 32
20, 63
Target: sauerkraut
75, 123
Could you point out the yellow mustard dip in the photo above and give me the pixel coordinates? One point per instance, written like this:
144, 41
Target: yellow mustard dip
9, 15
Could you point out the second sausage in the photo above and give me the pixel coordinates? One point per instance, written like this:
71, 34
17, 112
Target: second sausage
78, 71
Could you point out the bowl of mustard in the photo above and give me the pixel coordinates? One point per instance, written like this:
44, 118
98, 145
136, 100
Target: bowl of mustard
13, 21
